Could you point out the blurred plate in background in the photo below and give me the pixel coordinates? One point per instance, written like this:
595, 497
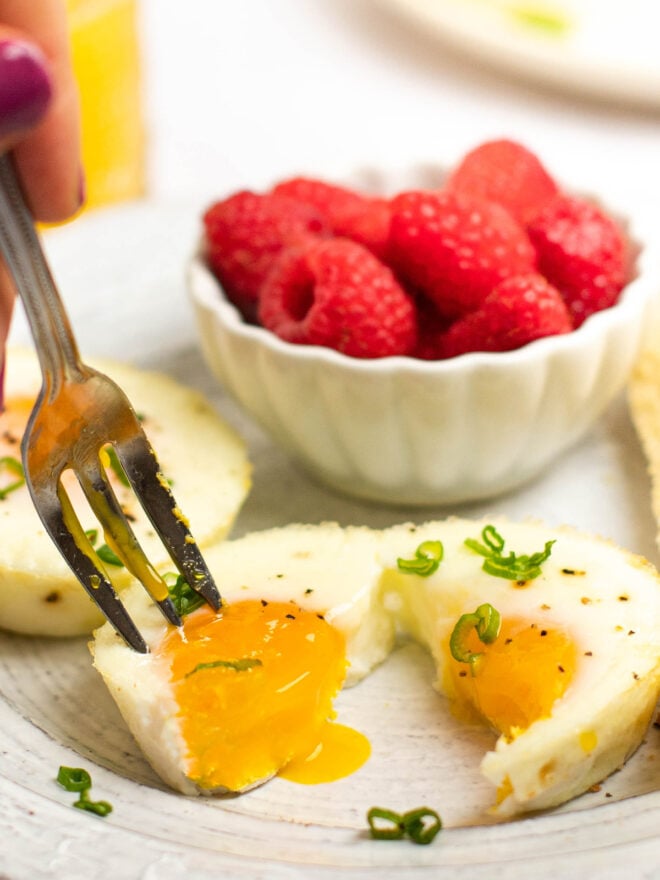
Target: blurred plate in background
591, 47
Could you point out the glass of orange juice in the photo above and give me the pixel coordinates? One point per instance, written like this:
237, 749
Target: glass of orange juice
106, 60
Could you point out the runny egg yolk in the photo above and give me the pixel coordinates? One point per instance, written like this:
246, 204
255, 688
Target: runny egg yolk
254, 686
517, 678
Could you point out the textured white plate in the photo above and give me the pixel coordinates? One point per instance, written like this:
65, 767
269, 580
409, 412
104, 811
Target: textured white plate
607, 49
129, 301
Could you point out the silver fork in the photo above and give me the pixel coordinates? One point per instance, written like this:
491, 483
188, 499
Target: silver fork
78, 414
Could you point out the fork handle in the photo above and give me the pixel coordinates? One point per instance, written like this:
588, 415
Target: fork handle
49, 323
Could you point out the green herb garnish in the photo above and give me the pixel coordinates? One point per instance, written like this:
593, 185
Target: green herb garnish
107, 555
486, 620
420, 825
78, 780
550, 21
115, 464
13, 466
103, 552
515, 567
428, 557
240, 665
183, 597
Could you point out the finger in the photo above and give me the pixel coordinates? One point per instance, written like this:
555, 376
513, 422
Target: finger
25, 87
48, 159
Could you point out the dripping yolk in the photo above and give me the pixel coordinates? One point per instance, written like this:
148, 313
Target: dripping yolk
254, 685
518, 677
340, 752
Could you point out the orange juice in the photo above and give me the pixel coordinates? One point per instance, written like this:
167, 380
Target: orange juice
106, 61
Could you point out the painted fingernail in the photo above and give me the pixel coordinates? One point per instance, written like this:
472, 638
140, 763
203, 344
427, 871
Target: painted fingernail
25, 86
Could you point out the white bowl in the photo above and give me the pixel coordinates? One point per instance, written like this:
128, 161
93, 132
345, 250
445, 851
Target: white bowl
404, 431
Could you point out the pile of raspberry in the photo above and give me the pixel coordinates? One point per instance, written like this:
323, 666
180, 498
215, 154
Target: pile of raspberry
496, 257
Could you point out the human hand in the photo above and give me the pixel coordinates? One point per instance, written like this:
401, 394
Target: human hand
39, 116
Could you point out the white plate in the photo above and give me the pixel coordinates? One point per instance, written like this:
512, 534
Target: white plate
605, 49
121, 273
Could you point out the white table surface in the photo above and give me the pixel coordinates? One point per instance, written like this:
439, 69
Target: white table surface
239, 95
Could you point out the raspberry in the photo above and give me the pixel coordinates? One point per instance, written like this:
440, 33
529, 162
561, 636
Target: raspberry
431, 328
347, 213
246, 232
518, 311
335, 293
507, 173
582, 252
455, 249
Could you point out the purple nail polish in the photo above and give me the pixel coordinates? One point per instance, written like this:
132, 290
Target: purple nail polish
25, 86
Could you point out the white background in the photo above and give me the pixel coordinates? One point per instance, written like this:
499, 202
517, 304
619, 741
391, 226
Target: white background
241, 93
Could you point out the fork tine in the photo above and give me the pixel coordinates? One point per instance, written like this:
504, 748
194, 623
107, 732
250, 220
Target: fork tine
121, 537
68, 535
151, 488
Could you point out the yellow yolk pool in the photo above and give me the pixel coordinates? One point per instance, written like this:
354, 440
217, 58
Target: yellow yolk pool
254, 686
518, 677
340, 752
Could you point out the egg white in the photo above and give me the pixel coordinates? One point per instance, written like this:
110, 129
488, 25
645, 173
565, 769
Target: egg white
351, 576
607, 598
205, 460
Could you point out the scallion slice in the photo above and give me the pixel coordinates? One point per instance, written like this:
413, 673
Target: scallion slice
486, 620
513, 566
420, 825
428, 557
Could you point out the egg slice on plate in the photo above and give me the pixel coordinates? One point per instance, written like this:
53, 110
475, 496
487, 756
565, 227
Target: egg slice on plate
204, 460
573, 677
230, 700
569, 678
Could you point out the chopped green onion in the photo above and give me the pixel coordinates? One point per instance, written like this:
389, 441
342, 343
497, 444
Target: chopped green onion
420, 825
103, 552
551, 21
486, 620
74, 779
101, 808
183, 597
385, 824
428, 557
116, 465
78, 780
109, 556
13, 465
241, 665
515, 567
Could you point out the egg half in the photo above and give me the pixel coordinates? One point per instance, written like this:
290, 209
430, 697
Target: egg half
204, 460
569, 683
230, 700
572, 679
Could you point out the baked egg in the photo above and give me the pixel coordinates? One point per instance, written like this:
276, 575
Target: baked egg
203, 459
568, 679
571, 680
230, 699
